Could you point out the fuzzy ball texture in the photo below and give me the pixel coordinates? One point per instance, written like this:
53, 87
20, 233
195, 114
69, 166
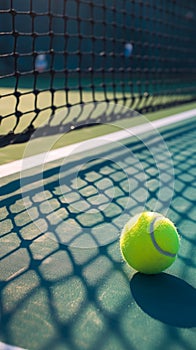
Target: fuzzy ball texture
149, 242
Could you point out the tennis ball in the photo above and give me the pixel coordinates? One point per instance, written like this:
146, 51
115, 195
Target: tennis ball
149, 242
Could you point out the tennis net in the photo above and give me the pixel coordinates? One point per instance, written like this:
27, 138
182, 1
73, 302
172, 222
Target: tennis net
58, 54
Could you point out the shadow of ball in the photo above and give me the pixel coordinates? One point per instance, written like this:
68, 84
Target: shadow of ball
166, 298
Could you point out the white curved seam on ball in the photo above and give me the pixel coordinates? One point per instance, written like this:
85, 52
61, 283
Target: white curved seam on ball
160, 250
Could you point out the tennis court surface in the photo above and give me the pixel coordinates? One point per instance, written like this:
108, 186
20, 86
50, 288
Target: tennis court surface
97, 124
63, 282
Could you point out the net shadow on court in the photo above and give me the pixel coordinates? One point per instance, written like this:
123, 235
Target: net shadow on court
54, 294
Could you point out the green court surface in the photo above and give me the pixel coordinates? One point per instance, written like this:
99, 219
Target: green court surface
12, 152
63, 283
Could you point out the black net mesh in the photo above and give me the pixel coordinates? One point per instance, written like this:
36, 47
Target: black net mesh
58, 54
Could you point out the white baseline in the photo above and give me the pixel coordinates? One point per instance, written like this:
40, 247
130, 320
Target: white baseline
33, 161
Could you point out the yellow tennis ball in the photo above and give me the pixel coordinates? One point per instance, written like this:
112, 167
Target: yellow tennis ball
149, 242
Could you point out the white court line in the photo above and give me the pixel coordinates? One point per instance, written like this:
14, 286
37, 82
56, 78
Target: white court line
9, 347
33, 161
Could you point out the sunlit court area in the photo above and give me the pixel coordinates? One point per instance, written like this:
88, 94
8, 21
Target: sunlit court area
97, 175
